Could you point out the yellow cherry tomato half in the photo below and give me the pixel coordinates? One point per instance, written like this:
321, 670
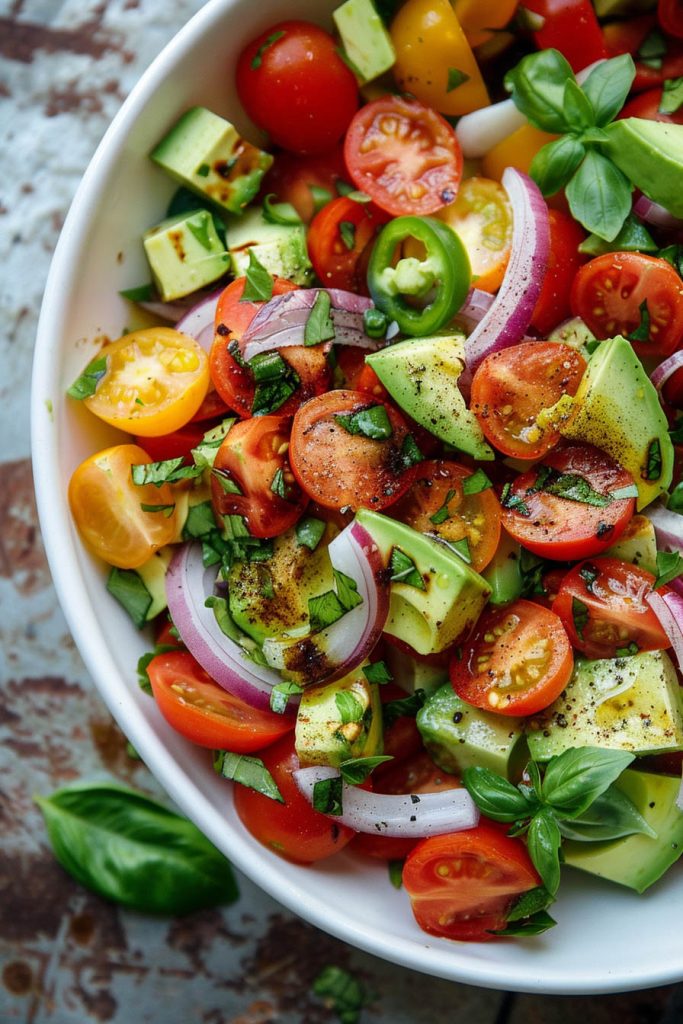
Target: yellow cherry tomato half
154, 383
122, 522
481, 215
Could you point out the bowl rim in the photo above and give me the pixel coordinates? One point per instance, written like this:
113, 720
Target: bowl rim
453, 963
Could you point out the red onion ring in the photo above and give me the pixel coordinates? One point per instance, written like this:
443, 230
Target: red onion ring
199, 322
349, 640
474, 309
668, 607
188, 584
510, 313
653, 213
665, 370
407, 815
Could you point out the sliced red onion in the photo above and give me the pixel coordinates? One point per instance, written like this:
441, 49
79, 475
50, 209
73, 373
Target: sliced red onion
200, 321
653, 213
668, 607
510, 313
337, 650
188, 584
407, 814
668, 527
282, 321
665, 370
474, 309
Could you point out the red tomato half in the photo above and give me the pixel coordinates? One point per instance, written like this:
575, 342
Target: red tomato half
404, 155
462, 885
203, 712
647, 104
253, 457
339, 469
564, 259
602, 605
294, 179
635, 295
517, 662
293, 84
337, 238
670, 17
511, 387
293, 829
567, 528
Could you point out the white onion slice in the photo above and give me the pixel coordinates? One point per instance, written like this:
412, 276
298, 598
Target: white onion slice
407, 815
668, 607
188, 584
337, 650
665, 370
653, 213
510, 313
668, 527
200, 321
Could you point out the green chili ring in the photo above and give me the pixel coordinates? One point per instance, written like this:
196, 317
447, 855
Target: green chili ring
444, 274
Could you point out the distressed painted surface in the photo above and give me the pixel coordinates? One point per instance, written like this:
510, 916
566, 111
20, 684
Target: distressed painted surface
66, 957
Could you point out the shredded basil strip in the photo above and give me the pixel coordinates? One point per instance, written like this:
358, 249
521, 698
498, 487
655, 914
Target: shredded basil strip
356, 770
395, 868
347, 232
476, 482
248, 771
455, 78
319, 326
225, 481
410, 453
513, 501
276, 380
257, 59
259, 284
309, 532
653, 469
404, 706
167, 510
130, 591
569, 486
404, 570
326, 609
349, 707
170, 471
442, 514
669, 567
280, 694
327, 796
86, 385
642, 331
589, 575
279, 485
279, 213
372, 422
580, 616
377, 672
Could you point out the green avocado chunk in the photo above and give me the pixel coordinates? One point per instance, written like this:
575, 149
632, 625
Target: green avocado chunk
637, 544
650, 153
637, 861
339, 720
422, 376
458, 736
631, 703
365, 39
280, 248
184, 254
153, 575
503, 573
411, 674
435, 595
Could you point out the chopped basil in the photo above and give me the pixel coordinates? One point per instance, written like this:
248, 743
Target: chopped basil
535, 924
672, 96
275, 380
130, 591
347, 590
410, 453
569, 486
257, 59
204, 455
200, 229
349, 707
675, 502
653, 469
320, 196
460, 547
248, 771
225, 481
86, 385
144, 660
476, 482
326, 609
170, 471
344, 993
309, 532
357, 769
279, 213
404, 706
653, 49
455, 78
279, 485
442, 514
580, 615
280, 694
642, 331
327, 795
319, 326
266, 582
375, 322
673, 254
589, 575
404, 570
347, 232
532, 569
259, 283
141, 293
395, 868
513, 501
372, 421
343, 187
236, 353
203, 170
166, 510
622, 493
200, 521
669, 567
627, 652
378, 672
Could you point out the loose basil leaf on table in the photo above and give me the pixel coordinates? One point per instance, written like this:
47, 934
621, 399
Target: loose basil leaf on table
134, 851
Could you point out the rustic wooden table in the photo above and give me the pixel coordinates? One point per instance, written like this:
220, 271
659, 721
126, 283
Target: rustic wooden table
67, 957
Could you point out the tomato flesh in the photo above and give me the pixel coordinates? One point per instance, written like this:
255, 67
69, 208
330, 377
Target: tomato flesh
337, 238
482, 217
564, 259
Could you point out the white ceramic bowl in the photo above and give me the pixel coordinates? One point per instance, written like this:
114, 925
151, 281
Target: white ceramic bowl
607, 938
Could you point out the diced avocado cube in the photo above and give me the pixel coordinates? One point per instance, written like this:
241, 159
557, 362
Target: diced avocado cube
185, 254
458, 736
205, 153
422, 376
430, 616
411, 674
339, 721
629, 703
503, 573
365, 39
650, 153
281, 248
153, 575
637, 861
637, 544
617, 408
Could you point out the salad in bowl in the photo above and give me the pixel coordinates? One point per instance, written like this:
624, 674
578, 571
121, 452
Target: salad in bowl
370, 447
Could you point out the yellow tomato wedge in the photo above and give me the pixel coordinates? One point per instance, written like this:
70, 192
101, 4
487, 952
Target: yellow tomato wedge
479, 17
517, 150
154, 383
122, 522
482, 217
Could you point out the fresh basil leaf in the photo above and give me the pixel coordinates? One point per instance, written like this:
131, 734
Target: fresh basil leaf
570, 486
555, 163
279, 213
324, 610
404, 706
642, 331
372, 421
204, 455
576, 777
675, 502
86, 385
340, 990
320, 196
476, 482
578, 109
276, 380
132, 850
495, 796
608, 86
347, 233
319, 326
356, 770
309, 532
130, 591
611, 816
532, 569
378, 672
653, 467
144, 660
396, 873
459, 547
599, 196
259, 284
410, 453
247, 771
170, 471
455, 78
529, 926
442, 513
280, 694
534, 795
513, 501
347, 590
143, 292
537, 86
349, 707
627, 652
673, 254
225, 481
530, 903
580, 616
404, 570
279, 485
669, 567
327, 796
653, 49
543, 843
672, 96
633, 237
166, 510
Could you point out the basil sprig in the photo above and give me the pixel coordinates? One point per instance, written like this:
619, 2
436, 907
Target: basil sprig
544, 88
574, 798
132, 850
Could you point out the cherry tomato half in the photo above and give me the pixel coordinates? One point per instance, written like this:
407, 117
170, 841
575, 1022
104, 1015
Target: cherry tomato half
481, 215
647, 105
295, 179
206, 714
511, 387
337, 238
461, 886
405, 156
564, 260
517, 661
632, 294
602, 605
253, 459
